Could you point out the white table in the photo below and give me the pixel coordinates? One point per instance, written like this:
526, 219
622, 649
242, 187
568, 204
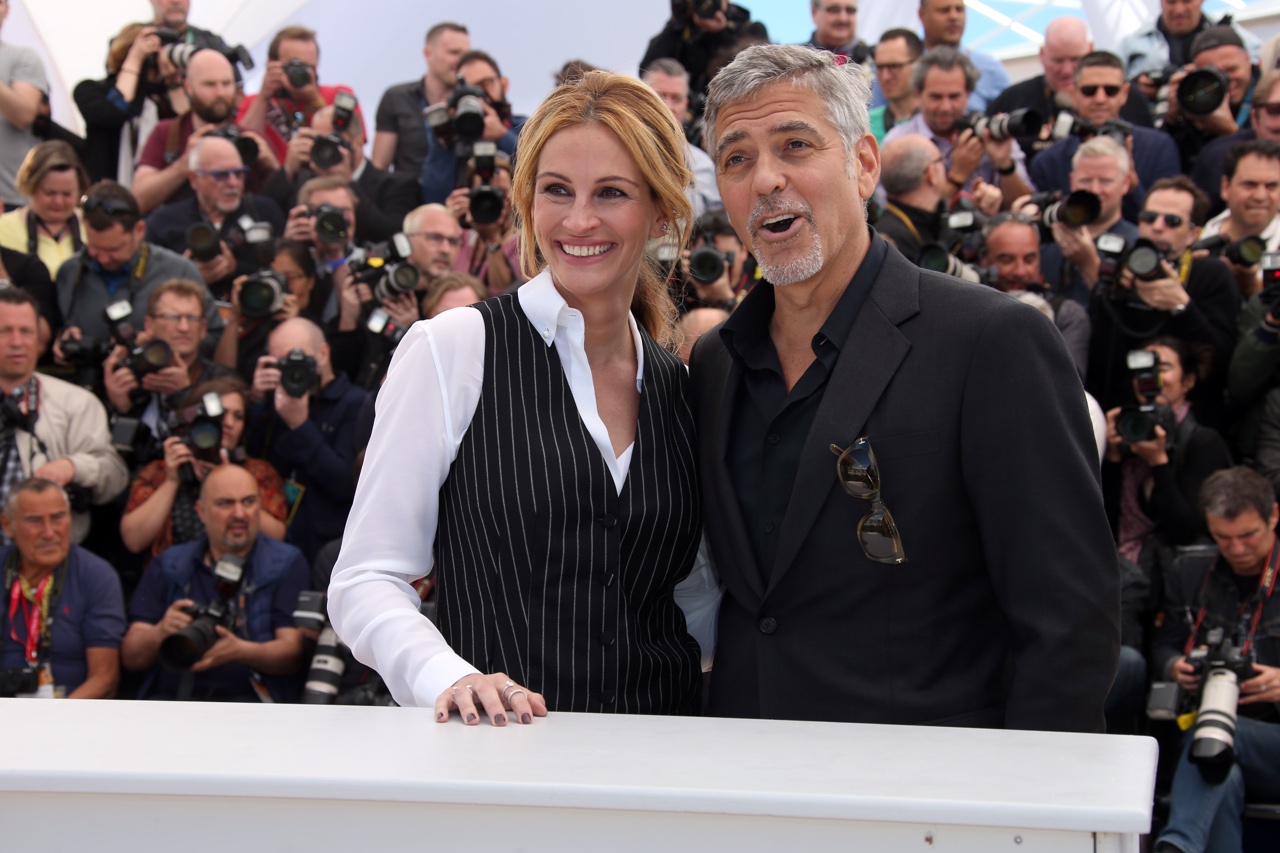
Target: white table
135, 776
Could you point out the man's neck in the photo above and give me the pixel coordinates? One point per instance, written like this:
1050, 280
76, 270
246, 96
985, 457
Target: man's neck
800, 309
435, 91
7, 386
1234, 229
924, 198
930, 45
903, 108
33, 574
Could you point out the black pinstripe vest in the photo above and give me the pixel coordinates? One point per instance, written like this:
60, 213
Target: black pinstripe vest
544, 572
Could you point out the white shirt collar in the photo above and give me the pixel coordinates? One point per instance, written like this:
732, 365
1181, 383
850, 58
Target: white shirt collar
548, 311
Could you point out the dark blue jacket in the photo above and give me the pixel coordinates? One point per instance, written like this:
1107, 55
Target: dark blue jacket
1154, 152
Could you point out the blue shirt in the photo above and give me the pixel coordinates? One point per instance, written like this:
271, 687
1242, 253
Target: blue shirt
986, 168
89, 614
1155, 155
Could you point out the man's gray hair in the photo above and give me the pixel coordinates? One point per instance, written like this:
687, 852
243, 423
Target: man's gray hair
904, 163
665, 66
1231, 492
1102, 146
413, 218
844, 89
944, 59
194, 158
35, 486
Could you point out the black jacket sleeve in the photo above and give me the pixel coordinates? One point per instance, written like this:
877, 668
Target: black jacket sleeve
1177, 485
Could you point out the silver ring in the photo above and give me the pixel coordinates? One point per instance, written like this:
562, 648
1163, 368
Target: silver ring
513, 695
470, 689
506, 688
455, 690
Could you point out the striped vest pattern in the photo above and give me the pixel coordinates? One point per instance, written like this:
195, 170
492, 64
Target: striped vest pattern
544, 572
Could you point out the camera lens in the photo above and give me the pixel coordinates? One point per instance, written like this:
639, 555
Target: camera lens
154, 355
298, 74
331, 227
262, 294
1246, 251
326, 152
468, 118
706, 264
248, 149
1023, 122
202, 240
1203, 91
184, 648
1134, 425
1080, 208
486, 205
1144, 259
205, 438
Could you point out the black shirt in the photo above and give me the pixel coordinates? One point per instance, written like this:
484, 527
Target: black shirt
400, 112
910, 235
29, 273
770, 423
167, 226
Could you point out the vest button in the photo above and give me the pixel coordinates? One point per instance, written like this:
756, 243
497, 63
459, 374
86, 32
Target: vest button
607, 638
608, 520
768, 625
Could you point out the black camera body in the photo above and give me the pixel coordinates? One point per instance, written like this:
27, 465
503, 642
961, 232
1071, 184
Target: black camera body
385, 267
1202, 91
1138, 422
330, 224
298, 73
487, 201
262, 294
203, 241
1079, 208
1070, 124
1115, 254
200, 427
246, 146
18, 682
326, 150
299, 374
84, 352
461, 118
182, 649
1244, 252
705, 9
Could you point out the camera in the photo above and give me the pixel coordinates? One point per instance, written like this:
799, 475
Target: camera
142, 359
384, 267
694, 8
1069, 124
1244, 252
461, 118
262, 294
380, 323
1115, 255
18, 682
85, 351
1202, 91
203, 242
330, 223
487, 201
1022, 122
935, 257
245, 145
326, 150
298, 373
707, 263
200, 428
1221, 666
1079, 208
298, 73
1138, 422
183, 649
1160, 78
1270, 280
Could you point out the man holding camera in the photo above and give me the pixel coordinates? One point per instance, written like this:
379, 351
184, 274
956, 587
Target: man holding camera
303, 422
835, 29
1212, 96
1099, 94
213, 225
163, 173
1264, 123
242, 588
400, 142
117, 265
1251, 190
1153, 51
172, 14
1229, 591
291, 92
944, 79
436, 238
50, 428
913, 174
695, 32
76, 654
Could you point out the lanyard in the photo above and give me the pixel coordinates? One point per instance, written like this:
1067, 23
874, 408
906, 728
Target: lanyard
22, 594
893, 208
1265, 587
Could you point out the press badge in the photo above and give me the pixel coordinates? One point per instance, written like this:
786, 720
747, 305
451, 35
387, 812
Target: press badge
44, 684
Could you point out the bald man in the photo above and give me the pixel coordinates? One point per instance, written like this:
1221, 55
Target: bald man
303, 422
163, 172
913, 174
1066, 40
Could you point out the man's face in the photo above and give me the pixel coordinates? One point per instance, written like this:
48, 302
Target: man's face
1178, 237
306, 52
788, 186
893, 68
435, 243
339, 198
1014, 248
1180, 16
943, 21
1244, 541
1233, 62
178, 321
19, 343
114, 247
1253, 194
285, 339
171, 13
1102, 177
219, 182
1100, 94
485, 76
40, 528
943, 99
835, 22
211, 86
1059, 58
229, 509
1266, 125
442, 56
674, 92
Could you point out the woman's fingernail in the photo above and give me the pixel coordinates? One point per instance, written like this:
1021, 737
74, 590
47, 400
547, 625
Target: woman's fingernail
526, 719
500, 720
471, 718
440, 715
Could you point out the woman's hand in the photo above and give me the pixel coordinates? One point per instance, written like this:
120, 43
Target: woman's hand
496, 694
176, 453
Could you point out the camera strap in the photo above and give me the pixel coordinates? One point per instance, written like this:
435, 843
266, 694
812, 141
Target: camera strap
33, 232
1266, 585
906, 220
39, 606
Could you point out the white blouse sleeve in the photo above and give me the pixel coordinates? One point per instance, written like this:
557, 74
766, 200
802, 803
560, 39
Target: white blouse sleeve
424, 409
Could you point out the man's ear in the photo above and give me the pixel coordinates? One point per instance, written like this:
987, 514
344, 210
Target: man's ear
140, 230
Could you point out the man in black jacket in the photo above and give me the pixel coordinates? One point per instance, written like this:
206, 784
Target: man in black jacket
693, 40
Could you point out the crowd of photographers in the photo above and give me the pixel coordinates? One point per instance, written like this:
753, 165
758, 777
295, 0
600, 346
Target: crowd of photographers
201, 296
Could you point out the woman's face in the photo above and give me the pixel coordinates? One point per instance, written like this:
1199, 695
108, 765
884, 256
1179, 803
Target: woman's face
592, 212
55, 197
300, 284
1174, 386
232, 420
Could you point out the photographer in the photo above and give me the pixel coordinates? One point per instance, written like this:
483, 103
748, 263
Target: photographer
945, 78
384, 198
161, 508
714, 244
835, 29
1251, 189
695, 32
305, 427
1264, 123
47, 227
164, 170
254, 651
480, 77
1099, 95
217, 175
1193, 299
1168, 42
436, 236
1230, 592
490, 251
76, 654
291, 92
30, 274
1193, 119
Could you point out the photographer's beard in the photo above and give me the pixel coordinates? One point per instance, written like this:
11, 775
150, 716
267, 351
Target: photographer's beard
217, 111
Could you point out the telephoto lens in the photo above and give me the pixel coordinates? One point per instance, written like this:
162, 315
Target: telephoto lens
468, 118
330, 224
202, 240
146, 358
182, 649
1080, 208
397, 279
1203, 91
1246, 251
937, 259
707, 264
1002, 126
262, 294
324, 679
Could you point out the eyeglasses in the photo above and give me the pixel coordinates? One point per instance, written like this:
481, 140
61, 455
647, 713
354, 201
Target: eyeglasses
1090, 91
836, 10
177, 319
1148, 217
895, 67
858, 473
435, 237
109, 206
1272, 109
224, 175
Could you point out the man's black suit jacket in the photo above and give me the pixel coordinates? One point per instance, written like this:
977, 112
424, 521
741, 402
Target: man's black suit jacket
1007, 611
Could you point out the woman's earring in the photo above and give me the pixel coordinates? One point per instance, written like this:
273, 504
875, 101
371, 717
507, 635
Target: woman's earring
666, 226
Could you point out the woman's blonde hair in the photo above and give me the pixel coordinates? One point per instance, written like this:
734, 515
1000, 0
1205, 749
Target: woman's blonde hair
120, 46
52, 155
650, 134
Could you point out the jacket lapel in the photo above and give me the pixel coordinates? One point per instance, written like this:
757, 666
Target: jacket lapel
868, 361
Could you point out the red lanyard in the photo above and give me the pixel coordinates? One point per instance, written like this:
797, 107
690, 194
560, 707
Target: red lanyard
16, 598
1265, 588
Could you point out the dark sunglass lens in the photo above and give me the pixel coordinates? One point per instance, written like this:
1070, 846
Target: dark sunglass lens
1173, 220
879, 537
1148, 216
